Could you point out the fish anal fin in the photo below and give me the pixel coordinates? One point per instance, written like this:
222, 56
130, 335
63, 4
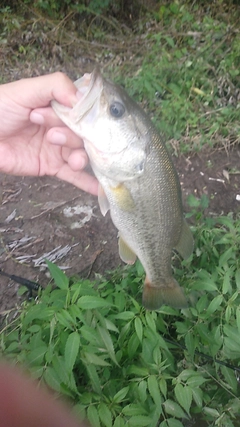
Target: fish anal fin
185, 244
125, 252
165, 293
123, 197
102, 200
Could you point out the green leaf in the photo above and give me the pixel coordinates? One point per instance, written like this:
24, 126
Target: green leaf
107, 340
133, 409
59, 366
95, 360
120, 395
153, 388
228, 313
63, 320
197, 396
139, 268
39, 311
230, 378
119, 422
94, 378
237, 278
133, 345
59, 277
231, 332
142, 390
174, 409
71, 350
90, 335
196, 381
93, 416
163, 386
105, 414
155, 415
214, 304
89, 302
238, 318
227, 281
211, 411
52, 379
226, 256
138, 328
232, 345
126, 315
34, 328
184, 396
190, 343
139, 421
36, 355
150, 320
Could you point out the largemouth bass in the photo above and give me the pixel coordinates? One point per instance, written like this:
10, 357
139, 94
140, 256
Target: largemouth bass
138, 183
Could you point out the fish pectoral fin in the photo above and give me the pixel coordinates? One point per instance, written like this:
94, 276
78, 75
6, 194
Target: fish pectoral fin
186, 242
123, 197
125, 252
103, 200
165, 293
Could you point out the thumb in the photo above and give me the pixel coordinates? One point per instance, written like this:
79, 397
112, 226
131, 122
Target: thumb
39, 91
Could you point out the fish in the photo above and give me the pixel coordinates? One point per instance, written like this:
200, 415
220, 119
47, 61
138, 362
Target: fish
138, 183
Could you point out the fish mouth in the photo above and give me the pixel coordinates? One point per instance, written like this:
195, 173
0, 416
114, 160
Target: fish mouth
90, 88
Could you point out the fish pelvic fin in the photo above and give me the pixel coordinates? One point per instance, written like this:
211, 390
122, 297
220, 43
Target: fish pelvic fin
165, 293
185, 244
103, 200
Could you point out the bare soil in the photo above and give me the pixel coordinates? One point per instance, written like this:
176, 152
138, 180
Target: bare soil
46, 218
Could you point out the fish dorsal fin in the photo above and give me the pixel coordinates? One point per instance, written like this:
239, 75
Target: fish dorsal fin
185, 243
125, 252
103, 200
123, 197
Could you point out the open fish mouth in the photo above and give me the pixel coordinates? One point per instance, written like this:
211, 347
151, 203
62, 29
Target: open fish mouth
90, 87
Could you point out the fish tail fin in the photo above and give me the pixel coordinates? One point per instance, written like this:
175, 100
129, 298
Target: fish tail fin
165, 293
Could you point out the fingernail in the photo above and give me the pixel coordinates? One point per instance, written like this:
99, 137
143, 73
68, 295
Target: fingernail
58, 138
37, 118
77, 97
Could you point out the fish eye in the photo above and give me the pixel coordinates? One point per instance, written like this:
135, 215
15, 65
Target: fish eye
117, 109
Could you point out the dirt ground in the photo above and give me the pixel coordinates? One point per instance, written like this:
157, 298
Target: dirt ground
46, 218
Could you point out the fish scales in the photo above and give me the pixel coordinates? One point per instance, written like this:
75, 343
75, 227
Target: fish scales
138, 228
139, 184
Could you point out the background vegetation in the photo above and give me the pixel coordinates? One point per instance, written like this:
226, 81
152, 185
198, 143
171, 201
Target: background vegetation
119, 364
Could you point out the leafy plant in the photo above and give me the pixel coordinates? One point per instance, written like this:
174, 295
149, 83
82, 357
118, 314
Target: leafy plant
122, 365
188, 78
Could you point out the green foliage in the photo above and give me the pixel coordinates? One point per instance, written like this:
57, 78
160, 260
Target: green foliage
188, 77
122, 365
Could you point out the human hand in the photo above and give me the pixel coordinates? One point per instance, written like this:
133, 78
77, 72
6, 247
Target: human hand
23, 404
33, 140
